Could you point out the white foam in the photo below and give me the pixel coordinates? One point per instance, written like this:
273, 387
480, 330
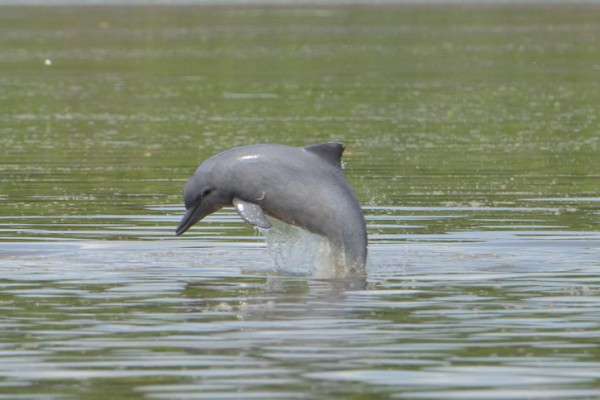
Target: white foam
296, 251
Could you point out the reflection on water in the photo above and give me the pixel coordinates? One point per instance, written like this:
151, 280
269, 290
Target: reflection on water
472, 141
497, 312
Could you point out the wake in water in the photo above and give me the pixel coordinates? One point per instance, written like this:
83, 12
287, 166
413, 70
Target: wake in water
296, 251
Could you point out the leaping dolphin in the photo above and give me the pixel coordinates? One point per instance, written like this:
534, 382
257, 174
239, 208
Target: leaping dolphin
305, 187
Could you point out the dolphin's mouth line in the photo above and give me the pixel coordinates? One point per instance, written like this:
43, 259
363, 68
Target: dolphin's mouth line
188, 220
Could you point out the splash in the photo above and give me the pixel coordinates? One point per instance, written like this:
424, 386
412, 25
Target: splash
296, 251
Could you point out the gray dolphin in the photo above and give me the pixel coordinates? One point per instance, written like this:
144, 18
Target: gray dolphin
305, 187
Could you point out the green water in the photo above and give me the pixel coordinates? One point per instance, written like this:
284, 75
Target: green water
472, 137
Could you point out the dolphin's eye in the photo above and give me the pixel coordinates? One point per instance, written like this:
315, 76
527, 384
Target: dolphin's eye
200, 197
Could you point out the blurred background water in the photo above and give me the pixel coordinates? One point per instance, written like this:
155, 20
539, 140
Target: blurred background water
472, 139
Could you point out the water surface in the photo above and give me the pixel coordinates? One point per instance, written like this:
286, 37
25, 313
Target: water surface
472, 141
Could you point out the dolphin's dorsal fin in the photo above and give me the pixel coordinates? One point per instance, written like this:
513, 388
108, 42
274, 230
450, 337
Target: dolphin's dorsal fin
330, 152
251, 213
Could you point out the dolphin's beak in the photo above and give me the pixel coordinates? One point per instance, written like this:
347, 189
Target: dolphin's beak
190, 217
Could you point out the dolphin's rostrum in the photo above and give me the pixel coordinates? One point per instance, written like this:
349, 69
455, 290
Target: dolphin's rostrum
305, 187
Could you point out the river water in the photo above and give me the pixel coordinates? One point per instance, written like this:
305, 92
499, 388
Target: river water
472, 139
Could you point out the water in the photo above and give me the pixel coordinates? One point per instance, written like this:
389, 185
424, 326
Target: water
472, 141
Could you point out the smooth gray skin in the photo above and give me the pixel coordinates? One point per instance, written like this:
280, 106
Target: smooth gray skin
305, 187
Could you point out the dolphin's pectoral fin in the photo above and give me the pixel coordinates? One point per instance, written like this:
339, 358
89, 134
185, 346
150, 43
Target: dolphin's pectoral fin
251, 213
330, 152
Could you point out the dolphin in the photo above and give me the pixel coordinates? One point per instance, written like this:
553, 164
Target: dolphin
301, 186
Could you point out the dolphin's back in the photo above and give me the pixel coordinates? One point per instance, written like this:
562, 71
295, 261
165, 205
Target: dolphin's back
299, 187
